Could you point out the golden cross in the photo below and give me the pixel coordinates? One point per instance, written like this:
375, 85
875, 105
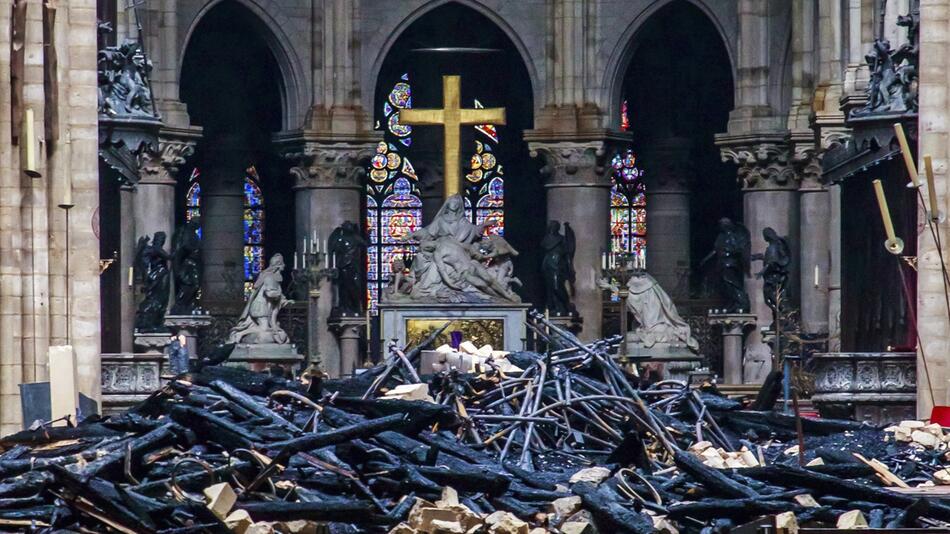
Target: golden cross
451, 117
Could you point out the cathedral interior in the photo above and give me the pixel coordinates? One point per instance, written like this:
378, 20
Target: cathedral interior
745, 194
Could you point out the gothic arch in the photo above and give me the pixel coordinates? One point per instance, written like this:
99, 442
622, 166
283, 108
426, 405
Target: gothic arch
293, 83
626, 46
491, 15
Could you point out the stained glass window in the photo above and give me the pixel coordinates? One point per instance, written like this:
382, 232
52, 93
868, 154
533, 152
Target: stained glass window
193, 198
485, 182
628, 225
624, 117
253, 229
393, 206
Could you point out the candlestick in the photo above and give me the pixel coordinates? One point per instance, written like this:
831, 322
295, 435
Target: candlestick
893, 244
905, 151
931, 187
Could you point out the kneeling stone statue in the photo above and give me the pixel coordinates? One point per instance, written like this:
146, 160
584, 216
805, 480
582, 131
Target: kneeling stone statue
258, 322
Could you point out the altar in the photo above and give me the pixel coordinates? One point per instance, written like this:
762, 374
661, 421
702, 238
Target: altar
501, 325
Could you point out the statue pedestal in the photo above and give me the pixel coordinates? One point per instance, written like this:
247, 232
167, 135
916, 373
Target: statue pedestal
674, 361
189, 326
261, 356
735, 326
347, 329
499, 324
152, 342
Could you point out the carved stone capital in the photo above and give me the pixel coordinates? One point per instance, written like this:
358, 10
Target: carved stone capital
575, 163
763, 164
318, 163
807, 163
161, 161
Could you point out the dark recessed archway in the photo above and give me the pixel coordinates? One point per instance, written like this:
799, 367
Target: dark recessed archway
235, 90
679, 84
493, 72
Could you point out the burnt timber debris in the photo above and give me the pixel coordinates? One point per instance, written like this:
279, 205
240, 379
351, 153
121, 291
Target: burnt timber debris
571, 443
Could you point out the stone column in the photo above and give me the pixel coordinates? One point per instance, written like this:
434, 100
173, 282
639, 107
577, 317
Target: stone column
127, 240
934, 139
578, 192
667, 180
814, 243
328, 191
222, 230
154, 198
770, 199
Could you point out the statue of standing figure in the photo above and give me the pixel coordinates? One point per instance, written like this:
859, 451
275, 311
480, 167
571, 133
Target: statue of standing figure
732, 251
557, 268
152, 262
258, 320
186, 266
347, 245
774, 274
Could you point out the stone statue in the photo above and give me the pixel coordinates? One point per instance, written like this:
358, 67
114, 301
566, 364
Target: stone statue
557, 270
892, 87
454, 265
658, 321
124, 88
347, 245
152, 263
186, 267
774, 273
732, 253
258, 321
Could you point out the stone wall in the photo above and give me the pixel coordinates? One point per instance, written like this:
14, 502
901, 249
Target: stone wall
934, 140
49, 277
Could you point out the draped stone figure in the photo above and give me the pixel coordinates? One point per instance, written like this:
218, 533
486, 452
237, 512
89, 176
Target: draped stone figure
258, 320
186, 267
774, 274
732, 253
123, 81
346, 244
557, 268
658, 321
454, 264
152, 263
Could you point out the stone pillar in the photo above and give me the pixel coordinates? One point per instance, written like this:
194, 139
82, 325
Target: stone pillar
814, 244
154, 198
934, 139
578, 192
834, 268
222, 230
328, 191
770, 199
127, 240
667, 179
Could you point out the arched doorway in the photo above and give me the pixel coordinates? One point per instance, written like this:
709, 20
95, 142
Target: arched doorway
676, 94
234, 89
500, 182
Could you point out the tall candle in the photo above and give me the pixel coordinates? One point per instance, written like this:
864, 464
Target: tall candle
816, 276
603, 261
931, 187
908, 157
295, 261
885, 212
131, 275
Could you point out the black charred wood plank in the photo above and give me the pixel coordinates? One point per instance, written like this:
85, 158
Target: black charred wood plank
341, 510
716, 482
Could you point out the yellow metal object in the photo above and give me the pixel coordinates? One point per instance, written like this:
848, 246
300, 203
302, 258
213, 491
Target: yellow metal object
452, 117
478, 331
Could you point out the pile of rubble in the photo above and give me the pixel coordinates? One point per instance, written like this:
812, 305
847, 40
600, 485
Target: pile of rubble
571, 443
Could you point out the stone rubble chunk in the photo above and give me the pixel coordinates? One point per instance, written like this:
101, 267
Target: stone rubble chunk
925, 439
594, 475
238, 521
505, 523
943, 477
807, 501
564, 507
852, 519
439, 526
787, 521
